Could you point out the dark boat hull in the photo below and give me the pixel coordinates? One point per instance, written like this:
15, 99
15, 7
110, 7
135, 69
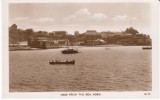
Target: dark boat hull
69, 51
66, 52
147, 48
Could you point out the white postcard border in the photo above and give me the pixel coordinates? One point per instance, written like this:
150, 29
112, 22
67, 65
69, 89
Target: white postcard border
155, 56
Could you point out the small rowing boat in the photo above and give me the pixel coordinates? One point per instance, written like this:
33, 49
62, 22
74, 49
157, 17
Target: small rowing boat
61, 62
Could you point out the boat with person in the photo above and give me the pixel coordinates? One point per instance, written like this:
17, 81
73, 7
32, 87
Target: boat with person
70, 50
62, 62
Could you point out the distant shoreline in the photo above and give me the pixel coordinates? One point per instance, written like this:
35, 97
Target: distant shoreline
109, 45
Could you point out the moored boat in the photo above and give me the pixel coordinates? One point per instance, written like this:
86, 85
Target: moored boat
147, 48
69, 51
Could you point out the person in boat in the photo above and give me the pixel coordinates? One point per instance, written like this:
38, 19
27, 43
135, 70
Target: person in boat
73, 61
67, 61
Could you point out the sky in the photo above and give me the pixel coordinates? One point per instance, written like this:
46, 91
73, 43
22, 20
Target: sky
80, 17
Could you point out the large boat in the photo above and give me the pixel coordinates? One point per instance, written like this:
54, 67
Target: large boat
69, 51
147, 48
60, 62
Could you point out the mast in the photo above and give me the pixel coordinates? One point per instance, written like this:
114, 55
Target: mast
67, 43
130, 22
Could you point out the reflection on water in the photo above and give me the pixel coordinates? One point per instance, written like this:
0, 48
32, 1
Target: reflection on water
96, 69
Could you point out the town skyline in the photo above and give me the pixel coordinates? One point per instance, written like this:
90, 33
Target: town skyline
81, 17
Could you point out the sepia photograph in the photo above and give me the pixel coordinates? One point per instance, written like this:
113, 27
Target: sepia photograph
80, 47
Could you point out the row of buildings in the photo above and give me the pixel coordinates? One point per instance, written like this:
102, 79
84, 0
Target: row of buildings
45, 43
120, 38
89, 38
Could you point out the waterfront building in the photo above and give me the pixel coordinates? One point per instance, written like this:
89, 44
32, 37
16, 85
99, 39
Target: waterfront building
45, 43
91, 32
106, 34
96, 42
63, 42
79, 43
60, 33
76, 33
